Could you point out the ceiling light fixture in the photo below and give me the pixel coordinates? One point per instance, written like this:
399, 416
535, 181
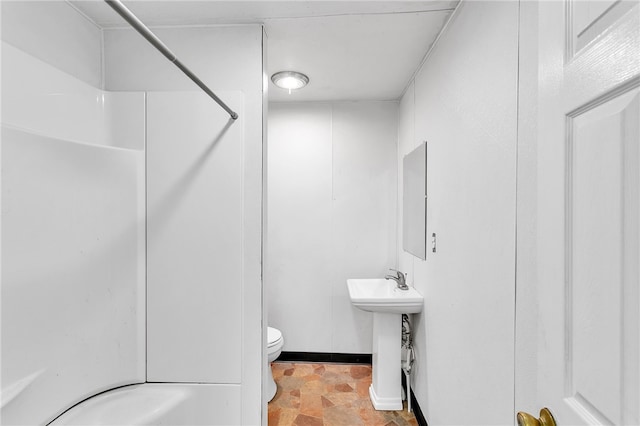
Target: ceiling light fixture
290, 80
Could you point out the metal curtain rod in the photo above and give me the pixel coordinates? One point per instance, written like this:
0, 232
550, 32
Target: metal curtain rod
158, 44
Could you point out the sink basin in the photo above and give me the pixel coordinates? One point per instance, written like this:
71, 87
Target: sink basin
380, 295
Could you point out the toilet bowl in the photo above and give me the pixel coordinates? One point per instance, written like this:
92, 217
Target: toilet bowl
275, 341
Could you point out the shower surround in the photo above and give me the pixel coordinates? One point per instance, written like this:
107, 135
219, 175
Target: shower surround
121, 211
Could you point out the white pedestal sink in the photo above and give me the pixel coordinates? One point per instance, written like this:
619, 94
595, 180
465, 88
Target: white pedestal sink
388, 303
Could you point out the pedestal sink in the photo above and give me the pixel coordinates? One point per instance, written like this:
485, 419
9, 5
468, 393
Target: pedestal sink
388, 303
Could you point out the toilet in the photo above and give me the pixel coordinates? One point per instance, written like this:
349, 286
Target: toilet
275, 341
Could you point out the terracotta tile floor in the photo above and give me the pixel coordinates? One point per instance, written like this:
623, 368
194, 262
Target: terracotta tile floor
311, 394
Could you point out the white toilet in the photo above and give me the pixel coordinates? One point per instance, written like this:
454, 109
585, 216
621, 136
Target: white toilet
275, 341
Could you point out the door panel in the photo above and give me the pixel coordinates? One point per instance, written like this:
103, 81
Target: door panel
588, 216
587, 20
596, 239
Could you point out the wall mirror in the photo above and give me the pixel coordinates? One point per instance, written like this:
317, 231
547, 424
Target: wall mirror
414, 190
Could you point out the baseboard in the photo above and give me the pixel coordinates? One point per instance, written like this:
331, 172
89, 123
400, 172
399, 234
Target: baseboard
415, 407
325, 357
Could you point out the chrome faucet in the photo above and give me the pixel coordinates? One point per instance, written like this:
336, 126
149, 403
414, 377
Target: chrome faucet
398, 278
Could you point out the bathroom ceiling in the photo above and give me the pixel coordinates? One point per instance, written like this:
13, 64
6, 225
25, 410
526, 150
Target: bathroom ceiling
351, 50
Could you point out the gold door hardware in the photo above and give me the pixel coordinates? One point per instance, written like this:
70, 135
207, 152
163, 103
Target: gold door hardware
546, 419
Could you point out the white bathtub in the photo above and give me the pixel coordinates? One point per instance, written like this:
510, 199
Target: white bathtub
159, 404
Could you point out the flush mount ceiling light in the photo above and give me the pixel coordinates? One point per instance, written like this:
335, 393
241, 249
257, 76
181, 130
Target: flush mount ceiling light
290, 80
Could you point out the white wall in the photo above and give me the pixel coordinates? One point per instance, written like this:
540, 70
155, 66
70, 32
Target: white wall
56, 33
526, 321
72, 273
40, 98
227, 58
463, 103
194, 220
331, 216
73, 210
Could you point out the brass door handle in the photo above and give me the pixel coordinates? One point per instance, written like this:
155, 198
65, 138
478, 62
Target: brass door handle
546, 419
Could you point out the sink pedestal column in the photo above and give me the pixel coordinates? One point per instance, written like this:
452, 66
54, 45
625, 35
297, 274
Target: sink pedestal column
385, 390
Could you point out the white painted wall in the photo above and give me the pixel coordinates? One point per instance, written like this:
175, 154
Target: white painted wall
463, 103
227, 58
332, 181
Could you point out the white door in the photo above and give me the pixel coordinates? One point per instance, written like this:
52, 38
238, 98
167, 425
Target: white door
588, 215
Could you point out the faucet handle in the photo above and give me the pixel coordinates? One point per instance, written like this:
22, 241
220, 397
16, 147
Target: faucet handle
398, 273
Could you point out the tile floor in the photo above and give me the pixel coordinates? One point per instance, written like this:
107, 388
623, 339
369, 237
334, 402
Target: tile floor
311, 394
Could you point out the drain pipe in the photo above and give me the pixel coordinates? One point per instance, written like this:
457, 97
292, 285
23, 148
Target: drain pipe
408, 355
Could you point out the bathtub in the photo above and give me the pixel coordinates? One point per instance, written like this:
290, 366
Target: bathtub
158, 404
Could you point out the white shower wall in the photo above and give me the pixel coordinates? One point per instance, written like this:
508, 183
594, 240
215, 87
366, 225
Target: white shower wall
57, 34
73, 200
331, 216
205, 292
73, 240
45, 100
194, 201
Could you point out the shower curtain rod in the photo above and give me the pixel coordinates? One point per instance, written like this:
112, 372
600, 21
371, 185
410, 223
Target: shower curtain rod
133, 20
